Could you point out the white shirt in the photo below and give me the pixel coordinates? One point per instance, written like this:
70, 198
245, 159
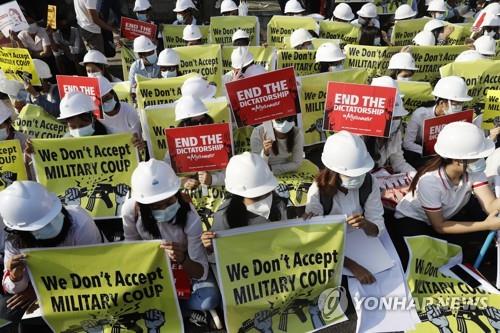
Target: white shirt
125, 121
435, 192
392, 154
190, 235
37, 44
83, 16
284, 161
348, 204
413, 136
83, 231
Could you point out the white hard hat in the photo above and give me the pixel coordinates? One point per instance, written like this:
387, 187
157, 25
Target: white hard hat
437, 6
198, 87
168, 57
299, 37
143, 44
490, 20
346, 154
141, 5
94, 56
11, 87
452, 88
227, 6
5, 113
424, 38
182, 5
343, 12
493, 8
469, 55
253, 70
42, 69
249, 176
463, 140
154, 181
387, 81
189, 106
240, 34
294, 7
28, 206
75, 103
104, 85
368, 10
433, 24
486, 45
404, 12
241, 57
191, 32
402, 60
329, 52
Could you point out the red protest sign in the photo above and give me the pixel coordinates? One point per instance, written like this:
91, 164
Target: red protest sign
433, 126
130, 28
87, 85
199, 148
359, 109
264, 97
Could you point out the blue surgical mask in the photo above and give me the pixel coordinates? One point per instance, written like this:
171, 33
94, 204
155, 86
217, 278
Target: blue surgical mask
82, 131
142, 17
51, 230
152, 58
352, 183
109, 106
167, 74
167, 214
478, 166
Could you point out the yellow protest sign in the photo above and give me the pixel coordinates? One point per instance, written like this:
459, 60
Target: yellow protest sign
491, 116
12, 166
207, 201
158, 118
430, 58
35, 122
122, 90
104, 288
16, 63
405, 30
222, 29
265, 56
52, 17
297, 183
416, 94
282, 26
345, 32
159, 91
128, 58
264, 283
480, 76
312, 100
303, 61
497, 53
172, 35
316, 42
93, 172
203, 59
460, 33
374, 59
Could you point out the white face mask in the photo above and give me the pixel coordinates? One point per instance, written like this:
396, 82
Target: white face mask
376, 41
453, 108
4, 134
478, 166
404, 78
492, 34
395, 126
167, 74
180, 18
284, 126
94, 74
262, 207
352, 183
51, 230
335, 68
82, 131
438, 16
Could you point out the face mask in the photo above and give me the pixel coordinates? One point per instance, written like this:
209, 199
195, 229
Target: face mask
3, 134
478, 166
404, 78
151, 59
376, 41
94, 74
335, 68
352, 183
492, 33
362, 21
438, 16
167, 214
109, 106
51, 230
82, 131
284, 126
142, 17
180, 18
167, 74
262, 207
453, 108
32, 29
395, 126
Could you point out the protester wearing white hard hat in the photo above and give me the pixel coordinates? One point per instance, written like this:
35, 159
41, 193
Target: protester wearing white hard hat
486, 46
143, 10
490, 26
96, 65
404, 12
228, 8
190, 111
367, 16
169, 62
241, 38
185, 12
402, 66
444, 186
243, 65
192, 35
451, 94
46, 95
469, 55
198, 87
424, 38
294, 8
77, 112
157, 209
343, 13
439, 29
437, 9
35, 218
301, 39
330, 57
145, 65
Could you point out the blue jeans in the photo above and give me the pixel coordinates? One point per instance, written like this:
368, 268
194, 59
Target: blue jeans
205, 296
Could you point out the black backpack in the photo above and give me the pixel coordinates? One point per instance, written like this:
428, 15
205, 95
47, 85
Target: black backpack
364, 192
